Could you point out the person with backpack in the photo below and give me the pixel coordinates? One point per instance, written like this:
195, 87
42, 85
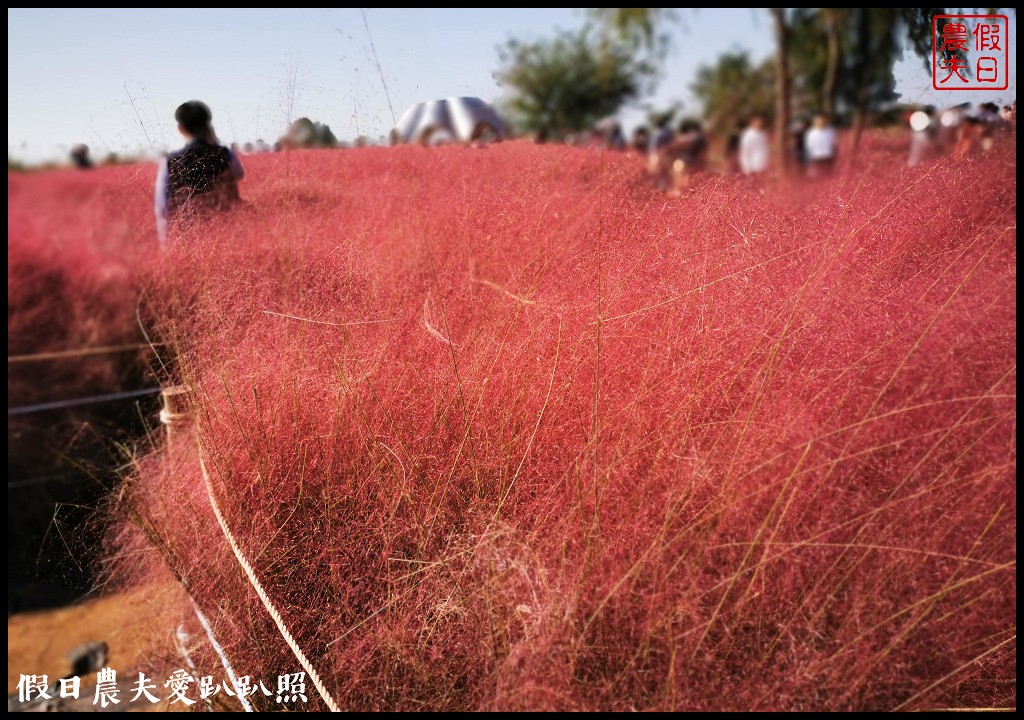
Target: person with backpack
199, 178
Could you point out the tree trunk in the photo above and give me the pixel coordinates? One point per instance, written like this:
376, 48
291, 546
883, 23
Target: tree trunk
782, 87
860, 114
828, 90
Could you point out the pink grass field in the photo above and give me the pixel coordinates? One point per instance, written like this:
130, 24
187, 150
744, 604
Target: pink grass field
74, 245
507, 429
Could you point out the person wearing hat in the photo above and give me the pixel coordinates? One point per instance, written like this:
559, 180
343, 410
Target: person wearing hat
198, 178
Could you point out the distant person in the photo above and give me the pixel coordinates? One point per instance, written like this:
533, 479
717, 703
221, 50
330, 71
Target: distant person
991, 125
922, 137
659, 162
640, 140
969, 137
436, 136
663, 133
821, 144
948, 130
201, 177
613, 138
731, 157
80, 157
688, 153
1008, 119
1009, 115
799, 134
484, 134
755, 147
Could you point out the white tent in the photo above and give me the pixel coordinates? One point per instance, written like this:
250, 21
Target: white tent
460, 119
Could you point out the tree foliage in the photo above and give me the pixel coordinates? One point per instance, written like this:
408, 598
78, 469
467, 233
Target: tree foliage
782, 84
635, 29
734, 88
839, 61
567, 83
304, 133
843, 58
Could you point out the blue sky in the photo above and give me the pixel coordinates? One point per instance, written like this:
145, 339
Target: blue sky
111, 78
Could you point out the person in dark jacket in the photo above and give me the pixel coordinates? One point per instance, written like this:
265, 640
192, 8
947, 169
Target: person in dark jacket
200, 177
688, 154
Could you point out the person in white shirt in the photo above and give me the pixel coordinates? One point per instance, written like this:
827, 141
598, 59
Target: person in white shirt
821, 144
922, 138
755, 147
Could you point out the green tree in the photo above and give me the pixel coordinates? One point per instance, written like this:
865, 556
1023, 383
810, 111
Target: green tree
732, 88
568, 83
635, 29
324, 136
304, 133
843, 58
819, 42
839, 61
831, 21
834, 60
641, 32
880, 37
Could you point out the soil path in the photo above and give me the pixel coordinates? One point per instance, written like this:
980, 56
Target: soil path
137, 627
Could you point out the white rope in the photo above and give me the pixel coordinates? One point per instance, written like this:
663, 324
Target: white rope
181, 638
172, 418
251, 574
223, 658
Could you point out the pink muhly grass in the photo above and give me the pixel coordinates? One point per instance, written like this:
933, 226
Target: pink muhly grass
74, 250
503, 429
76, 243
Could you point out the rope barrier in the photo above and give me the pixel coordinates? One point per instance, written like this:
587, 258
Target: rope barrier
40, 479
59, 404
274, 614
58, 354
232, 677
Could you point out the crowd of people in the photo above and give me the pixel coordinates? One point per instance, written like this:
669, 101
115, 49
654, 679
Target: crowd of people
958, 131
675, 156
204, 174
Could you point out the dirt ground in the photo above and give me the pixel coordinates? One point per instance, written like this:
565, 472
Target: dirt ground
135, 626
